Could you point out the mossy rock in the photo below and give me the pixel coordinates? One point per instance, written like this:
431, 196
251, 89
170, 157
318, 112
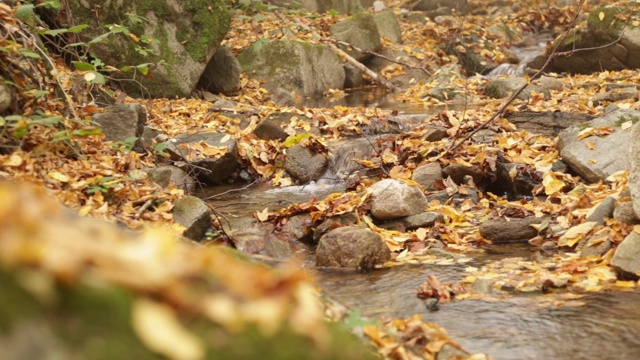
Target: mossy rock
185, 33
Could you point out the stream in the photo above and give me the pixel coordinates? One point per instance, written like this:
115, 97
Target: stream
514, 327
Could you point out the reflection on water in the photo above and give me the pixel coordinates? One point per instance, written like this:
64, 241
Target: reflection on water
515, 328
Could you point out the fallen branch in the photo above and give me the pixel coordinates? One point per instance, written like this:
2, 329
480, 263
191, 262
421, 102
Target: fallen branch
358, 65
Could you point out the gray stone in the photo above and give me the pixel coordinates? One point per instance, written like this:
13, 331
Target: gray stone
444, 83
352, 247
459, 172
548, 123
392, 199
550, 83
167, 174
222, 73
193, 214
460, 6
150, 137
504, 87
304, 164
427, 174
443, 196
435, 133
334, 223
602, 211
252, 237
210, 170
353, 76
609, 154
634, 168
627, 256
272, 127
361, 31
121, 122
425, 219
293, 66
5, 96
503, 230
416, 17
625, 214
186, 34
321, 6
596, 246
297, 228
388, 25
615, 95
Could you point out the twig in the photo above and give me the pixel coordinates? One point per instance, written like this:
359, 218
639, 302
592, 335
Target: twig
230, 191
143, 208
502, 109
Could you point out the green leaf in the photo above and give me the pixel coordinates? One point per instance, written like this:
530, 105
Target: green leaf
25, 13
29, 53
3, 122
292, 140
143, 68
78, 28
49, 121
53, 32
83, 66
20, 132
86, 132
333, 12
99, 79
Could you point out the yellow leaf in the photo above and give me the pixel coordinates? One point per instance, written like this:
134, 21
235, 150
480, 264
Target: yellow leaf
551, 184
421, 233
84, 211
58, 176
591, 145
636, 229
160, 330
134, 37
225, 138
601, 15
262, 215
575, 234
14, 160
264, 157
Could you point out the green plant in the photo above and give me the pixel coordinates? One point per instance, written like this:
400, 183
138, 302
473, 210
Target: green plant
125, 145
105, 184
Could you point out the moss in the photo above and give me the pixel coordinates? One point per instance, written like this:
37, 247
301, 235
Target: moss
623, 119
210, 23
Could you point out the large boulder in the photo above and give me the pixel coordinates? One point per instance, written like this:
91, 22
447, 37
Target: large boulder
352, 247
222, 74
600, 33
626, 259
597, 156
186, 34
303, 68
634, 171
392, 199
212, 157
359, 30
388, 25
503, 230
548, 123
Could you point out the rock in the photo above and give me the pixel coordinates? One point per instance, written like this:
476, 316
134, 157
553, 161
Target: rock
458, 172
596, 246
444, 83
425, 219
353, 77
409, 78
170, 24
193, 214
392, 199
167, 174
467, 50
484, 136
634, 169
602, 211
547, 123
334, 223
502, 230
222, 73
609, 154
614, 43
352, 247
304, 164
209, 169
252, 237
343, 153
626, 258
614, 95
379, 6
297, 228
273, 127
361, 31
550, 83
151, 137
416, 17
427, 174
321, 6
443, 196
514, 179
293, 66
435, 133
122, 122
460, 6
560, 166
5, 96
504, 87
624, 213
388, 25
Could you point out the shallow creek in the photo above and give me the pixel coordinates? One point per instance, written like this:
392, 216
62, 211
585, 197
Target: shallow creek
518, 327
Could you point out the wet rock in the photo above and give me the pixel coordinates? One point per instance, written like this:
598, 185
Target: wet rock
602, 211
304, 164
388, 25
609, 154
425, 219
615, 95
209, 170
427, 174
503, 230
361, 31
458, 172
121, 122
295, 67
548, 123
167, 174
392, 199
334, 223
273, 127
297, 228
193, 214
222, 73
595, 246
624, 213
626, 258
352, 247
504, 87
634, 169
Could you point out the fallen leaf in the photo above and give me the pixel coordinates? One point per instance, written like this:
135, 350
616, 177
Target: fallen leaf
55, 175
262, 215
